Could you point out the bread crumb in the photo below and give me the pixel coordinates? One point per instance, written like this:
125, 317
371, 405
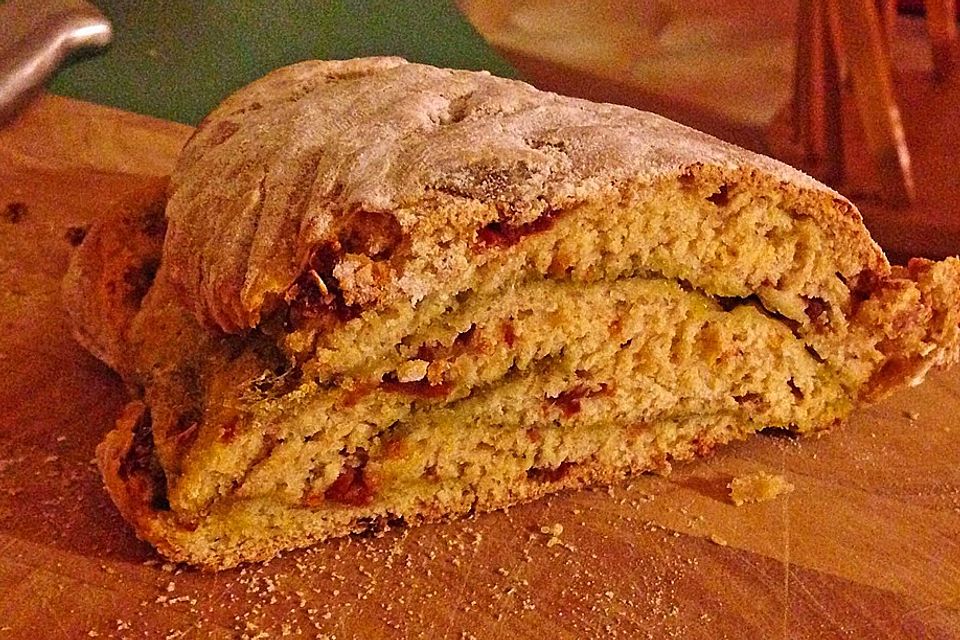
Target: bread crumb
758, 487
717, 540
554, 532
412, 370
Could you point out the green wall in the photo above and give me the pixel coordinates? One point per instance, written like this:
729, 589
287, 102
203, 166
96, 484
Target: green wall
178, 59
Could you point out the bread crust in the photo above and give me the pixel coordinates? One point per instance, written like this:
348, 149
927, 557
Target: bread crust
111, 272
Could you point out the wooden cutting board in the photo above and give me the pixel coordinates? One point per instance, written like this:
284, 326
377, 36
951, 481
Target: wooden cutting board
865, 547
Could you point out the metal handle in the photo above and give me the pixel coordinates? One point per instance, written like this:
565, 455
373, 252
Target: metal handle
36, 36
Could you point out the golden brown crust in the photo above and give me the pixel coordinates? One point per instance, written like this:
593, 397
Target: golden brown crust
917, 313
132, 492
111, 272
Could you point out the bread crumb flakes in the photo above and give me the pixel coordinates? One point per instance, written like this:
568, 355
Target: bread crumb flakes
412, 370
758, 487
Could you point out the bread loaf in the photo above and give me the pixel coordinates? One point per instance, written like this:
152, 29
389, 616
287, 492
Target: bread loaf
394, 293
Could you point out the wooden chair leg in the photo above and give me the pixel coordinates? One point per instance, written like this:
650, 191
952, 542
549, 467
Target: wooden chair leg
833, 71
869, 66
887, 10
808, 70
942, 26
816, 106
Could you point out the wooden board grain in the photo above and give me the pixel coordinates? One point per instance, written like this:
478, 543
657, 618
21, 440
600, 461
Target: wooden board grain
865, 547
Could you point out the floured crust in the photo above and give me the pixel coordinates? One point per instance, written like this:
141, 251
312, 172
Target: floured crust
315, 149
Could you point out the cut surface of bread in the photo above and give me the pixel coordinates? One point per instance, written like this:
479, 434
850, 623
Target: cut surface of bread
394, 293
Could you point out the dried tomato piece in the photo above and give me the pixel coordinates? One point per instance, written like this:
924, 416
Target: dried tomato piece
419, 388
315, 300
550, 474
503, 234
569, 401
815, 310
352, 487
